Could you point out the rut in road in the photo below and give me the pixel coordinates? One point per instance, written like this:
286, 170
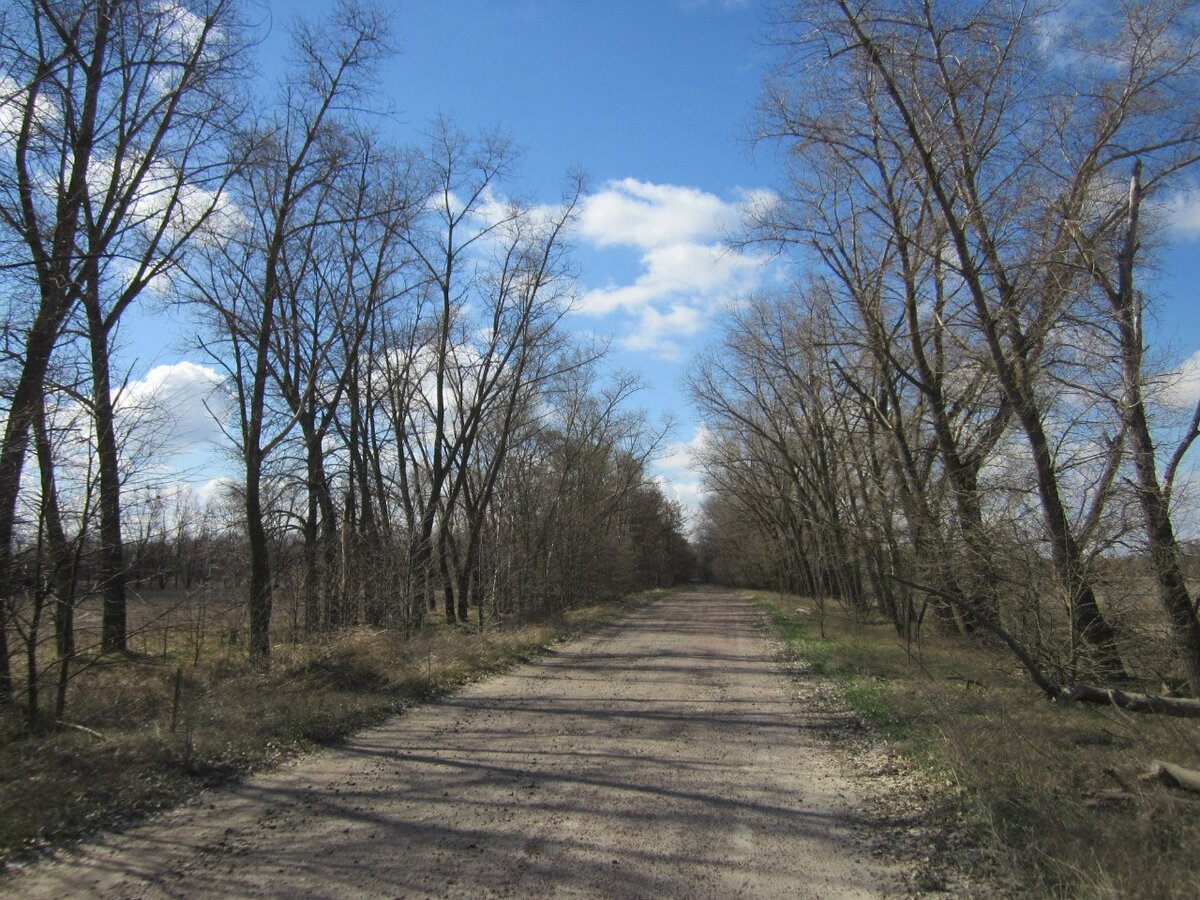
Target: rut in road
663, 757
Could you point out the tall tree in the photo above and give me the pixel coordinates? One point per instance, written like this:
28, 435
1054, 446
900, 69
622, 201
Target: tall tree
282, 195
114, 111
495, 281
1008, 152
1154, 495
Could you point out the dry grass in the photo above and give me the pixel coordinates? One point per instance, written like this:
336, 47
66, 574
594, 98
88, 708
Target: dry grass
1034, 771
145, 750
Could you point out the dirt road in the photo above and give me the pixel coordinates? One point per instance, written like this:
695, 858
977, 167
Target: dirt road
664, 757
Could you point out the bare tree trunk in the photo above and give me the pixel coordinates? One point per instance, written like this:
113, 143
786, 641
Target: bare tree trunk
312, 568
1087, 621
32, 698
444, 568
6, 686
110, 566
26, 401
1165, 558
468, 567
260, 563
320, 558
62, 575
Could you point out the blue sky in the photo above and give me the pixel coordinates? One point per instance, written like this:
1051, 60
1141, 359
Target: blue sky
652, 99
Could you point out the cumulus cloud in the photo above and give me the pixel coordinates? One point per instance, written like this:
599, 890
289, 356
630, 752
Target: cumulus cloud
656, 331
629, 212
686, 274
163, 192
178, 403
706, 276
166, 435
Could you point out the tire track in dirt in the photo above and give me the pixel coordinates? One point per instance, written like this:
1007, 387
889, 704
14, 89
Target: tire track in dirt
663, 757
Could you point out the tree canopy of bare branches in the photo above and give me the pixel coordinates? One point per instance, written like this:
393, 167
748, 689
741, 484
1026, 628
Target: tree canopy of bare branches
954, 397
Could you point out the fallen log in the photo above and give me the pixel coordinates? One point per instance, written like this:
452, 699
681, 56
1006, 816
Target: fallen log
77, 727
1173, 775
1182, 707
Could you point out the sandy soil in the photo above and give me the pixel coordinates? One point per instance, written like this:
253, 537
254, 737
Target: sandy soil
667, 756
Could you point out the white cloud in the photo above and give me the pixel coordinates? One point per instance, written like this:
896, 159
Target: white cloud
682, 457
1065, 37
212, 489
686, 275
1182, 391
165, 191
177, 402
678, 472
629, 212
13, 98
181, 26
165, 434
656, 331
706, 275
1182, 214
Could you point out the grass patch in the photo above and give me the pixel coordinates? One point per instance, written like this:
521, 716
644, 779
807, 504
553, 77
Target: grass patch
142, 751
1035, 774
867, 697
794, 631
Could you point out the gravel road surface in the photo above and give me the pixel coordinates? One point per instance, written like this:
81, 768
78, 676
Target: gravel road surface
666, 756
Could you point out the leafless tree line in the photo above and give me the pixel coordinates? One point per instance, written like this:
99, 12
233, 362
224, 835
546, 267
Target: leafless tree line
414, 427
954, 411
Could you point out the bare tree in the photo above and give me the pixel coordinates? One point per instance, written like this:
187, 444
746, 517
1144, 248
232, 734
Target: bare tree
281, 196
114, 113
962, 160
494, 278
1154, 495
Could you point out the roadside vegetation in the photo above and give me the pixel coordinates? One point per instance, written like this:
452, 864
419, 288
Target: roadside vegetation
1057, 787
407, 430
955, 418
161, 728
955, 431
